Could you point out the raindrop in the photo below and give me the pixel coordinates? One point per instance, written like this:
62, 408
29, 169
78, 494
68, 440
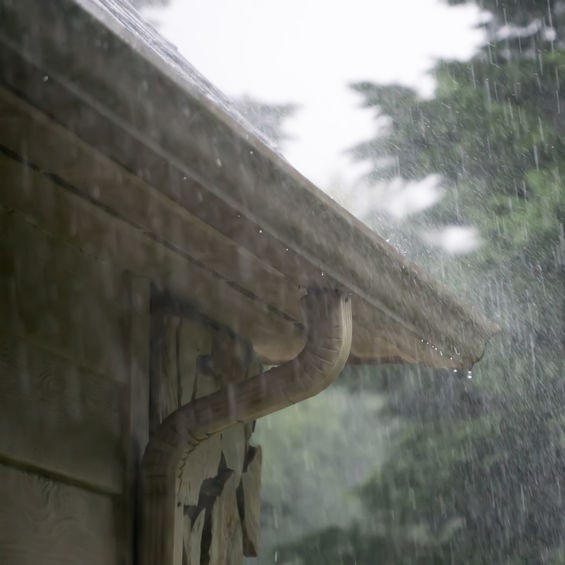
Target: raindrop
260, 230
469, 374
45, 78
218, 162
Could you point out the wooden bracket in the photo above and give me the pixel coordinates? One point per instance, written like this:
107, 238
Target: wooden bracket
329, 331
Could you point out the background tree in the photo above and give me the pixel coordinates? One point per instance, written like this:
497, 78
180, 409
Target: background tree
475, 473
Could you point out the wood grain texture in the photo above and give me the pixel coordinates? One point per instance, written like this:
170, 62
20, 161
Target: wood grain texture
55, 294
251, 502
201, 464
165, 536
98, 176
234, 448
224, 360
193, 539
59, 417
47, 523
226, 547
116, 242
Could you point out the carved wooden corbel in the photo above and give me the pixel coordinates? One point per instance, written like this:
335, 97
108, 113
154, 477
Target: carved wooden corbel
329, 330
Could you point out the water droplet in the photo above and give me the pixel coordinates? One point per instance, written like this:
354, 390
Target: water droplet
218, 162
260, 230
322, 273
45, 78
469, 374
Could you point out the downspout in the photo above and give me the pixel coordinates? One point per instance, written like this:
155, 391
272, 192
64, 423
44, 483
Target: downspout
328, 341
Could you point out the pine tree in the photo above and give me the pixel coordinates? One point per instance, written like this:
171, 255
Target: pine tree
476, 473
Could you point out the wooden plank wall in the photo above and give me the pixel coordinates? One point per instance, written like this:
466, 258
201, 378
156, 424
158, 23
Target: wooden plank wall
75, 363
74, 341
48, 522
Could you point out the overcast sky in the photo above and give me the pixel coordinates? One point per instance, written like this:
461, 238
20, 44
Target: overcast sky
306, 52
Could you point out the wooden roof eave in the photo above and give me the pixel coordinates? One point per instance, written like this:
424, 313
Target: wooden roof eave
139, 103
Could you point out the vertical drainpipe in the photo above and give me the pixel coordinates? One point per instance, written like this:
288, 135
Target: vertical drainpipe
328, 342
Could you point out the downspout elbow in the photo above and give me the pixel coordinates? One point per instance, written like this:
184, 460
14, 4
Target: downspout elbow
329, 330
328, 344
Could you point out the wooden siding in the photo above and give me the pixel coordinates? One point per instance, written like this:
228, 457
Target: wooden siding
43, 522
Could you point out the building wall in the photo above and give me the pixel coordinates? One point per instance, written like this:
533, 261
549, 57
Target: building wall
86, 368
63, 385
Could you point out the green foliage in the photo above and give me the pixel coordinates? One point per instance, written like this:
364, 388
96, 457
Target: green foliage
311, 464
475, 472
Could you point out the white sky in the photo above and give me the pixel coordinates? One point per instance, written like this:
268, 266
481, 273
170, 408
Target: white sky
306, 52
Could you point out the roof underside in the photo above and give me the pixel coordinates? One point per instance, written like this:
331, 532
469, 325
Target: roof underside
93, 76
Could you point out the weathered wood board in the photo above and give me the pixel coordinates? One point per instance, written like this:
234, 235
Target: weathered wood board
193, 539
69, 217
202, 464
47, 523
226, 547
54, 294
192, 359
59, 417
251, 502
